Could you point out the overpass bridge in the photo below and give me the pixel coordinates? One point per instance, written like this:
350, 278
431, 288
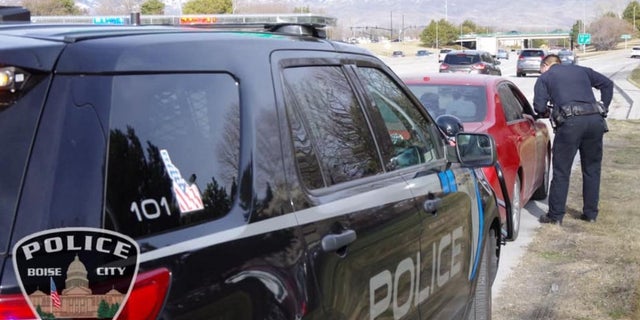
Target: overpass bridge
514, 38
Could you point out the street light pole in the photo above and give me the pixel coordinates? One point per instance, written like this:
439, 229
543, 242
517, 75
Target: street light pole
446, 8
584, 19
437, 36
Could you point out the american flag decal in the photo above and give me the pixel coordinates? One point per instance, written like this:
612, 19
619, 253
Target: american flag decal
187, 195
55, 298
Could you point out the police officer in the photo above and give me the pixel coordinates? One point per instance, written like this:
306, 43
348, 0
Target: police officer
579, 126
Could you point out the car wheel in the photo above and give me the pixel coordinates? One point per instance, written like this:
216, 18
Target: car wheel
516, 209
518, 74
481, 304
542, 191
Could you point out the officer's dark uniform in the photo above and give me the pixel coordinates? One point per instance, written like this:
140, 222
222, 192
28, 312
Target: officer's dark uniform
569, 89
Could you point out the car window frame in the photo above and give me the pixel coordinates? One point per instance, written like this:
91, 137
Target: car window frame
511, 104
431, 130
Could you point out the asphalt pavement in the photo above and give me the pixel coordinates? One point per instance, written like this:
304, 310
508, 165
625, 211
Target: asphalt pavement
624, 96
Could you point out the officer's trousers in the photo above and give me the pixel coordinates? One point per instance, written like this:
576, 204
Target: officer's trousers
578, 133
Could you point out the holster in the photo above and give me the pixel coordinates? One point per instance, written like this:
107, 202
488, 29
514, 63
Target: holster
557, 118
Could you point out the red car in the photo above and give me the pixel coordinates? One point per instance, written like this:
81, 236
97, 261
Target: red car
496, 106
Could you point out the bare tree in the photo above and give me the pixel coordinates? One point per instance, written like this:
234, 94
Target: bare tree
606, 32
118, 7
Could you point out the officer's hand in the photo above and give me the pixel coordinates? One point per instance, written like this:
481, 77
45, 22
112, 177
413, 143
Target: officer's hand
543, 115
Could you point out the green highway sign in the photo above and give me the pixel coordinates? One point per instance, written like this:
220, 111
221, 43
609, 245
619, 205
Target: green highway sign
625, 36
584, 38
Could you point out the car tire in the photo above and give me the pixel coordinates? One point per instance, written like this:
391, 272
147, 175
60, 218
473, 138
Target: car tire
481, 305
516, 208
543, 190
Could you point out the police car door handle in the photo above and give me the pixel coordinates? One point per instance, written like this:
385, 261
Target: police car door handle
333, 242
432, 205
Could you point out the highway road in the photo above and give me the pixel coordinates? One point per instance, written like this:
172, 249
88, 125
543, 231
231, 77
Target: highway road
615, 64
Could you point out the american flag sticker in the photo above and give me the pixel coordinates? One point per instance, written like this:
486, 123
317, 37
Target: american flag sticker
187, 195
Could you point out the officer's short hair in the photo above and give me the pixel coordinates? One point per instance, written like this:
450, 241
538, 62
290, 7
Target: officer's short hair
551, 59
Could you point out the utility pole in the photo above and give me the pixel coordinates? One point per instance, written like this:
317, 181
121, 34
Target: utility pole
401, 33
446, 8
584, 28
391, 28
437, 36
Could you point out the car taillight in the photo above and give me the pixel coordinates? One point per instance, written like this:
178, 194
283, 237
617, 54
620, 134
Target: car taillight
15, 307
148, 295
444, 66
145, 300
478, 66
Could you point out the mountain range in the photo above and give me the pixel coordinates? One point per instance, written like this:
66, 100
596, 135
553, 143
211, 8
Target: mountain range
501, 15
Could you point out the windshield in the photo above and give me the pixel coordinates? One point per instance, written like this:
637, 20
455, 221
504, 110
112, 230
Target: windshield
18, 118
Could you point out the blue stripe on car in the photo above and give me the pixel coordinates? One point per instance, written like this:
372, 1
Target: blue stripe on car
480, 226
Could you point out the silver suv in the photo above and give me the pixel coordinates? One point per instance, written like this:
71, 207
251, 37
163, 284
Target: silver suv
529, 61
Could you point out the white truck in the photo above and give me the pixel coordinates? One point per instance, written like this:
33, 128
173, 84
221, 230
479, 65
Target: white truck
488, 44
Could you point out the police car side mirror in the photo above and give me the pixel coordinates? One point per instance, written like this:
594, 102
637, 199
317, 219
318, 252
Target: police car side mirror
475, 149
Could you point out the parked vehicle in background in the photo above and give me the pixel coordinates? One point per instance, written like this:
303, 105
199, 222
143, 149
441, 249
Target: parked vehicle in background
443, 53
422, 53
264, 171
470, 61
635, 52
496, 106
529, 61
397, 54
567, 57
502, 54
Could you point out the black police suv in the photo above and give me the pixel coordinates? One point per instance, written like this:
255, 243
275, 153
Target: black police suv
264, 174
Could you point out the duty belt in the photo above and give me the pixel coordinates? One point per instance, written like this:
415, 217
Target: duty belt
579, 109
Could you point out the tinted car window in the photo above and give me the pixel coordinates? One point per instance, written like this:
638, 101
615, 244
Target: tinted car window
461, 58
532, 53
406, 127
329, 125
18, 118
510, 104
173, 151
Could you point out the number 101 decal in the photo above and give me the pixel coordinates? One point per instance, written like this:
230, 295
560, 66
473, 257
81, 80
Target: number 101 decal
150, 209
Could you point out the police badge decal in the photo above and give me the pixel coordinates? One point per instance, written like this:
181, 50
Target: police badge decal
76, 272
